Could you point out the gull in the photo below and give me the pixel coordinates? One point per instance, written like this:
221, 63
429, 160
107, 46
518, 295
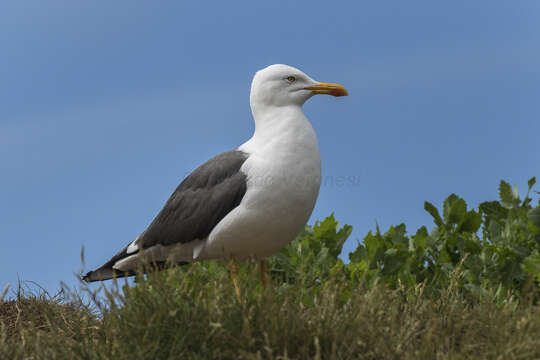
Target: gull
244, 203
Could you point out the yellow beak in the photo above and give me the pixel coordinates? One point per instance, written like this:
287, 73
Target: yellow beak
329, 89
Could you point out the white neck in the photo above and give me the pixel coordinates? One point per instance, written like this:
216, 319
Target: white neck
282, 126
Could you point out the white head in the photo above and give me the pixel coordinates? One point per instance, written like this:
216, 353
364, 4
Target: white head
282, 85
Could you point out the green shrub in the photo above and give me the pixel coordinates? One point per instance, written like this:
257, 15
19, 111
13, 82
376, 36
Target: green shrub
494, 247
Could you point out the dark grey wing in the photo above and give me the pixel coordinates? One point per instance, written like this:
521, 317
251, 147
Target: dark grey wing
199, 202
197, 205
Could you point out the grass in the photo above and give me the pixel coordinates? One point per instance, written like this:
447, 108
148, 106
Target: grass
193, 313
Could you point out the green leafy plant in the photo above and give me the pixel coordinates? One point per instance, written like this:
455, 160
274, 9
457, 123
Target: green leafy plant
312, 254
494, 247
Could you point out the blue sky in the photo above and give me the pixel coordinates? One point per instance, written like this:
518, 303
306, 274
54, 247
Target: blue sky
106, 106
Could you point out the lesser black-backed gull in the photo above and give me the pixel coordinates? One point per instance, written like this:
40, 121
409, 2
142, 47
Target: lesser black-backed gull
247, 202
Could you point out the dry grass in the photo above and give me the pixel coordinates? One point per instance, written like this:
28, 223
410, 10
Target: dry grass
194, 314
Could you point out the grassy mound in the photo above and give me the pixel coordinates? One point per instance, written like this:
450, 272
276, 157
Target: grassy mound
468, 289
193, 314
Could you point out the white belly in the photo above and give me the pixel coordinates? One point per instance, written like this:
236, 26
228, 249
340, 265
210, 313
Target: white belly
283, 185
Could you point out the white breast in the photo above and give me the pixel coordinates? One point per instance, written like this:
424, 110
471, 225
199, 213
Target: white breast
283, 179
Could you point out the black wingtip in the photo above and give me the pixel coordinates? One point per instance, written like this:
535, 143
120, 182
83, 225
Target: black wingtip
103, 273
86, 278
106, 273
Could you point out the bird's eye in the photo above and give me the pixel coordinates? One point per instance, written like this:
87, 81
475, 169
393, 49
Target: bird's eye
291, 79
